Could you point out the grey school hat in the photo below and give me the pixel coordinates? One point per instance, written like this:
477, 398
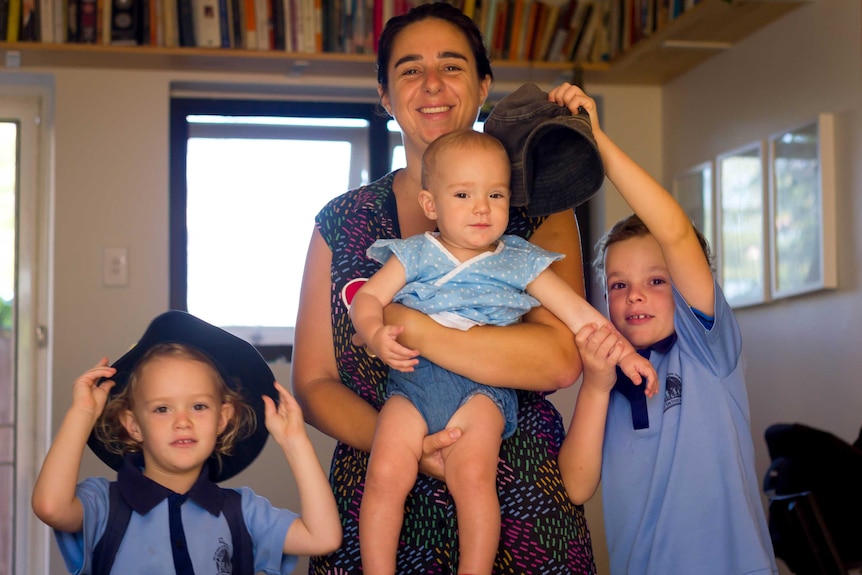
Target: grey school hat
239, 363
556, 164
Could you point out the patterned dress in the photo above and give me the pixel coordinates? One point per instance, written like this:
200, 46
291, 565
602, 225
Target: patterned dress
542, 531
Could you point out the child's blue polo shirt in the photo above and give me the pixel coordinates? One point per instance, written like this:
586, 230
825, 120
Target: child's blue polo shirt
146, 546
682, 495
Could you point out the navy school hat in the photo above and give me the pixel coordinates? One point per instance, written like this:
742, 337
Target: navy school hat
555, 161
239, 363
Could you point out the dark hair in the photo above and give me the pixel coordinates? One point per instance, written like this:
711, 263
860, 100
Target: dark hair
442, 11
466, 139
625, 229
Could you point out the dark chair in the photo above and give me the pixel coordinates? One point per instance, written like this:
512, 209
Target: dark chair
815, 500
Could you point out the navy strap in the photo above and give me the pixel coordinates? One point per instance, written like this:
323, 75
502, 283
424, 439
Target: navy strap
636, 394
179, 547
119, 514
243, 550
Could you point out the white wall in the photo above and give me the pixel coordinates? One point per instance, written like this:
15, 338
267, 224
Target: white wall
111, 189
801, 352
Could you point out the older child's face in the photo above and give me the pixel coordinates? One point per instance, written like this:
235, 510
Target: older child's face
640, 298
470, 199
177, 416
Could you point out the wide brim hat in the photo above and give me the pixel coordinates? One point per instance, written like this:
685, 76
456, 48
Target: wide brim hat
241, 366
555, 161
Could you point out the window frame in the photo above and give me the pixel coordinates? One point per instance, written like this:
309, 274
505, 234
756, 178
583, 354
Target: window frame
380, 159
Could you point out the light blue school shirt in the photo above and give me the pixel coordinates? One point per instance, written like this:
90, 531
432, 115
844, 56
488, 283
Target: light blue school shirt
682, 495
146, 546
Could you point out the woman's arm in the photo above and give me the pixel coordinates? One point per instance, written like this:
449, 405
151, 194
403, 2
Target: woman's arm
326, 402
538, 354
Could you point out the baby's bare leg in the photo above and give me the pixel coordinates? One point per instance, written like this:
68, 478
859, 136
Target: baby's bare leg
471, 475
392, 470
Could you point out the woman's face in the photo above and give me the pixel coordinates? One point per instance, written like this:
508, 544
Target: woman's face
433, 84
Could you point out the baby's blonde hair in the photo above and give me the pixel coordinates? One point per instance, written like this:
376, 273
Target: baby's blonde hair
459, 139
111, 432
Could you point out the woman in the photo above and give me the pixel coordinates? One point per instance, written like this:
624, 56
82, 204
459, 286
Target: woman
433, 77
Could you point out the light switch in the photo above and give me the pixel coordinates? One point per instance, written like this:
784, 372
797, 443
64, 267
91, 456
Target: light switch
115, 267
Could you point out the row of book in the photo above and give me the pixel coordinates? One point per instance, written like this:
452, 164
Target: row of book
517, 30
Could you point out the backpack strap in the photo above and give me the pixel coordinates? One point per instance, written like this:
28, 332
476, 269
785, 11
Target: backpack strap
243, 550
119, 514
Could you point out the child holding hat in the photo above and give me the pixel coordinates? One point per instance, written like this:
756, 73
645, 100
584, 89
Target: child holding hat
679, 486
176, 414
468, 273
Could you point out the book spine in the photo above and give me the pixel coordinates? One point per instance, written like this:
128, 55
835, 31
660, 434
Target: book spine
4, 19
45, 13
13, 22
278, 32
87, 22
224, 23
186, 23
205, 19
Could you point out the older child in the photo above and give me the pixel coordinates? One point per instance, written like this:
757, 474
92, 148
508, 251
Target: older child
466, 274
679, 488
174, 415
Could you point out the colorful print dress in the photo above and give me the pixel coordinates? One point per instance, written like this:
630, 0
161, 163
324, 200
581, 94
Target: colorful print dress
542, 531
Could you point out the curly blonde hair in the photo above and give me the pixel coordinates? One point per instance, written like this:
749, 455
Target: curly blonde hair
109, 428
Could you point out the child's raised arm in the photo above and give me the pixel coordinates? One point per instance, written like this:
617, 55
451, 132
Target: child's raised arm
54, 500
655, 206
317, 531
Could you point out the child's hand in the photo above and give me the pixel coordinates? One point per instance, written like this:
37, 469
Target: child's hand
88, 395
385, 344
638, 369
285, 421
573, 98
600, 349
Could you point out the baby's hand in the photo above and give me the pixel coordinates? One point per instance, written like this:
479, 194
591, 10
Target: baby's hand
88, 394
285, 421
385, 344
638, 369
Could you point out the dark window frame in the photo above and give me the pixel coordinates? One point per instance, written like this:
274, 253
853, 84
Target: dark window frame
380, 158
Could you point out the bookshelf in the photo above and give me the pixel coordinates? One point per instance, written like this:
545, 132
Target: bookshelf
708, 28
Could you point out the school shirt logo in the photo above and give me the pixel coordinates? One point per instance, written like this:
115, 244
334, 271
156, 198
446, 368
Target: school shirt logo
672, 391
222, 558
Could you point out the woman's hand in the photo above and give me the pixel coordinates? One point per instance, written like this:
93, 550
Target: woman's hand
432, 451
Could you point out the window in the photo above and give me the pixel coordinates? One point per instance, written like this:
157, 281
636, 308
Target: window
24, 349
247, 179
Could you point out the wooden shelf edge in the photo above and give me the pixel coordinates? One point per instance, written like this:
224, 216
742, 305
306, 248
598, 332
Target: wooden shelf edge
707, 29
694, 36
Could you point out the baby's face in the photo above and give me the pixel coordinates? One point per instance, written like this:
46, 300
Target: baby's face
471, 197
640, 296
